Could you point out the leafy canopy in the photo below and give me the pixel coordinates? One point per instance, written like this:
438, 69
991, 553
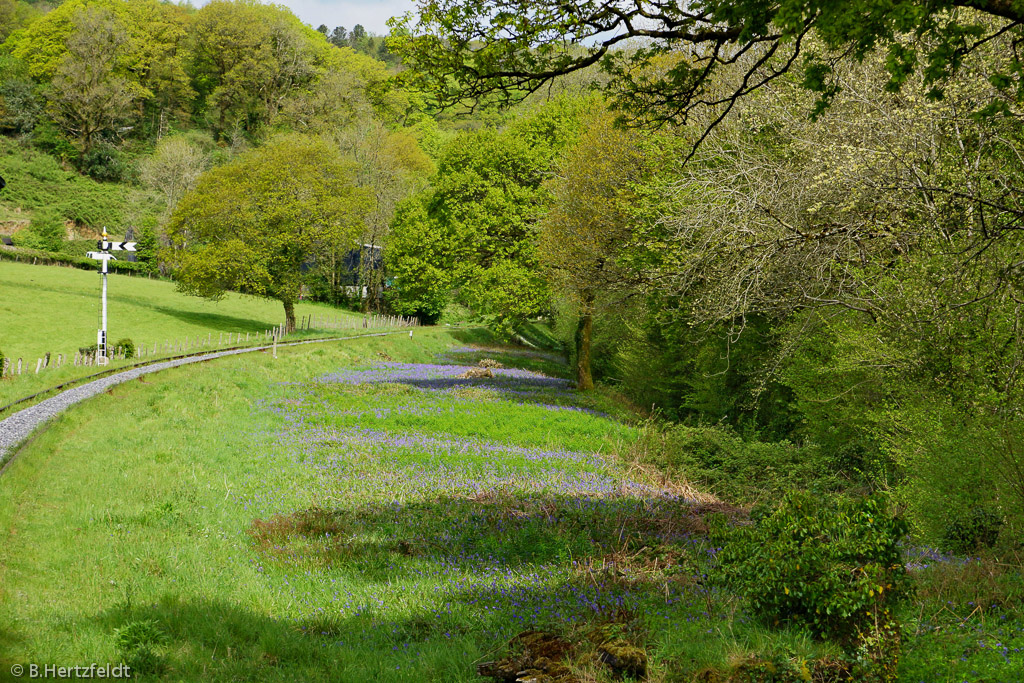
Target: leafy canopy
253, 225
668, 58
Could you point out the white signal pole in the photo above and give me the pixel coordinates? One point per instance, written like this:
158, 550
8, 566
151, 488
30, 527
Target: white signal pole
104, 255
101, 338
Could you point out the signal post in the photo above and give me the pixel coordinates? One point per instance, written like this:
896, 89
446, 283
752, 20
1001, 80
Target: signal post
104, 255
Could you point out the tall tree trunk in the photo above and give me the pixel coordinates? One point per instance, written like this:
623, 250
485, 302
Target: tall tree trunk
584, 334
289, 316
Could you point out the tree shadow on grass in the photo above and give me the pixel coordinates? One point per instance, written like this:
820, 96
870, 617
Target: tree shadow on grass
9, 639
215, 321
190, 639
484, 569
494, 531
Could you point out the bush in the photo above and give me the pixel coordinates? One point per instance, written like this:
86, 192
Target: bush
26, 255
833, 566
972, 530
104, 162
47, 137
125, 345
735, 469
45, 232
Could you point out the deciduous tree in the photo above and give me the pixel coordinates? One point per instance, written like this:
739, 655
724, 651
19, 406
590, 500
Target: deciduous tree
86, 96
588, 224
173, 169
254, 224
481, 217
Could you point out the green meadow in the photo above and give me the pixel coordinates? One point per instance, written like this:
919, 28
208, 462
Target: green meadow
54, 309
361, 510
50, 309
281, 520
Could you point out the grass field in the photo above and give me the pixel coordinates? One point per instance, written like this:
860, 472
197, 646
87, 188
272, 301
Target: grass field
359, 511
52, 309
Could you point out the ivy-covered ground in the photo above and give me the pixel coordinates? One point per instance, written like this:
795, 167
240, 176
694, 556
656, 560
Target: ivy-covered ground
396, 509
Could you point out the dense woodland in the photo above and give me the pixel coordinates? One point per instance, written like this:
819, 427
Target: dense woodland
804, 265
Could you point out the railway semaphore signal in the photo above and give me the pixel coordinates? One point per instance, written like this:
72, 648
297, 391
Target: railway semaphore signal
103, 256
115, 246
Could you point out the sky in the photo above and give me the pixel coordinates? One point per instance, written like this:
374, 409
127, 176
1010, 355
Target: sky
372, 14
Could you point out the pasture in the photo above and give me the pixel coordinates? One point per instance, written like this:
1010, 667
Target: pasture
363, 510
56, 310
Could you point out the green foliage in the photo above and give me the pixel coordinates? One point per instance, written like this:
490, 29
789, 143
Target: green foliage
146, 247
253, 63
45, 232
834, 566
48, 137
972, 530
65, 257
37, 181
105, 162
139, 643
473, 230
473, 49
20, 102
126, 346
418, 263
708, 374
717, 459
252, 224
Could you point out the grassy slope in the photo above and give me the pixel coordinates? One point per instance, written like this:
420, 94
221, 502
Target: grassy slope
48, 308
152, 521
415, 562
53, 309
36, 180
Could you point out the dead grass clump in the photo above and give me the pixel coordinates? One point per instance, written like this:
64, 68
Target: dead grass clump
489, 363
675, 484
315, 535
475, 394
477, 373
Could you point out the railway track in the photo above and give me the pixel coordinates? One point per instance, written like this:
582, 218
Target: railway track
18, 426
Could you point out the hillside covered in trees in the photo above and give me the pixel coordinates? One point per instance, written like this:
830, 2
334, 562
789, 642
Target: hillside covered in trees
112, 111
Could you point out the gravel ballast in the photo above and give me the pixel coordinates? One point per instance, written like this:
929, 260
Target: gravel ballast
19, 426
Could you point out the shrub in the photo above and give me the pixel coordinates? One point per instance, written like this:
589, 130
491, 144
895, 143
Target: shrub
127, 346
736, 469
104, 162
46, 136
46, 231
831, 565
973, 529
